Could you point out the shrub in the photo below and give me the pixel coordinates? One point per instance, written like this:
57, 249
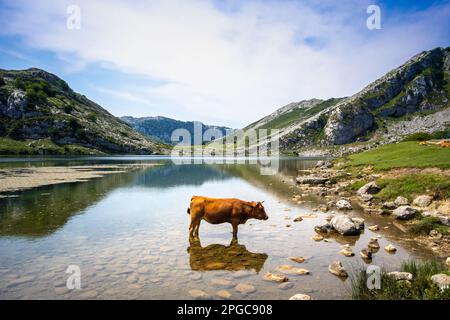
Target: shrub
426, 224
91, 116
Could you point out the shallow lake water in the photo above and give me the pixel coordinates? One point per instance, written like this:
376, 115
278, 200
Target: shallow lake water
128, 233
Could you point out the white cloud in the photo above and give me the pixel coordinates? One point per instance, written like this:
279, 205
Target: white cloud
235, 66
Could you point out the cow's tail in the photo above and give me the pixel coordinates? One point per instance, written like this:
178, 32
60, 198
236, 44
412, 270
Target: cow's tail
188, 210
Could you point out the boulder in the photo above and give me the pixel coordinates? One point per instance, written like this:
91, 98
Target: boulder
401, 201
397, 275
346, 225
338, 269
368, 188
343, 204
441, 280
300, 296
423, 201
390, 205
404, 213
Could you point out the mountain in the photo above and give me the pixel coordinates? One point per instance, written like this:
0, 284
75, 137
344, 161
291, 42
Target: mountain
161, 128
409, 99
40, 113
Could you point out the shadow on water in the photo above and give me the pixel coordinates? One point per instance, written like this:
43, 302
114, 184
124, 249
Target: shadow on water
233, 257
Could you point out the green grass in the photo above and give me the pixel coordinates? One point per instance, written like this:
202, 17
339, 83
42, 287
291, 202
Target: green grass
411, 185
426, 224
420, 288
402, 155
10, 146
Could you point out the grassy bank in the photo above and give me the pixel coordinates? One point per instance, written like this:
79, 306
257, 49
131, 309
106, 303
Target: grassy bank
43, 146
408, 154
419, 288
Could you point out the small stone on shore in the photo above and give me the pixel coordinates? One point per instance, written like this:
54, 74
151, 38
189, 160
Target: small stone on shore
300, 296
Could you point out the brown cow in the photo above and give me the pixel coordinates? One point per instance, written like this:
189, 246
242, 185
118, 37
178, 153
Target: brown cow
217, 211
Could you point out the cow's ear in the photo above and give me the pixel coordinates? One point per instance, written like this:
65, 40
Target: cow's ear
254, 204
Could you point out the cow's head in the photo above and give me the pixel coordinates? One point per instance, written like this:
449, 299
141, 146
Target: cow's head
258, 211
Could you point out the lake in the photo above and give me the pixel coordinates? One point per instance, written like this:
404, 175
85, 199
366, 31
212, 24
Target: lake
128, 234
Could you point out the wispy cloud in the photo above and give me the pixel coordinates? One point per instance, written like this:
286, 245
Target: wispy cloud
228, 60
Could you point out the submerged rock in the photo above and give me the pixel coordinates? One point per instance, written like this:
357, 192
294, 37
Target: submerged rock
338, 269
245, 288
297, 259
275, 277
300, 296
199, 294
285, 286
317, 237
224, 294
292, 270
404, 213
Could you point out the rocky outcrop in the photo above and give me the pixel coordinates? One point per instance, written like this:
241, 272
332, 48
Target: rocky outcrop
37, 105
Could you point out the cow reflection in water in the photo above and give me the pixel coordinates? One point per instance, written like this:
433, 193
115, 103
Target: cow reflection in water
220, 257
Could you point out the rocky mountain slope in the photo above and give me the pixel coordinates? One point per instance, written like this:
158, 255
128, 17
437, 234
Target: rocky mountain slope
161, 128
409, 99
40, 113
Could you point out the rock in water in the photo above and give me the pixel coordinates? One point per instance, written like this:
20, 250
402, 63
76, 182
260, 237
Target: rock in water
422, 201
275, 277
346, 225
374, 228
344, 205
366, 254
347, 252
292, 270
441, 280
297, 259
401, 201
390, 205
311, 180
390, 248
245, 288
404, 213
224, 294
397, 275
373, 243
317, 237
300, 296
369, 188
199, 294
338, 269
298, 219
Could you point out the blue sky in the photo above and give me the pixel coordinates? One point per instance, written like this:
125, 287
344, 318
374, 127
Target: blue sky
220, 62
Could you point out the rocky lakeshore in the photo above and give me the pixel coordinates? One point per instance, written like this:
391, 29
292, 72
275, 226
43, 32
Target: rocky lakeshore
345, 189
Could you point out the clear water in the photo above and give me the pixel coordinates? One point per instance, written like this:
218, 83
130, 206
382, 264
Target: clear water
128, 233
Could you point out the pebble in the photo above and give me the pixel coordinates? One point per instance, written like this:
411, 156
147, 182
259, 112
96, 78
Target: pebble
245, 288
224, 294
199, 294
347, 252
298, 219
275, 277
285, 286
317, 237
301, 259
300, 296
390, 248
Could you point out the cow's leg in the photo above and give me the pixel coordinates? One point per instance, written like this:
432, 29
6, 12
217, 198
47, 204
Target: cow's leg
191, 228
196, 227
235, 230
